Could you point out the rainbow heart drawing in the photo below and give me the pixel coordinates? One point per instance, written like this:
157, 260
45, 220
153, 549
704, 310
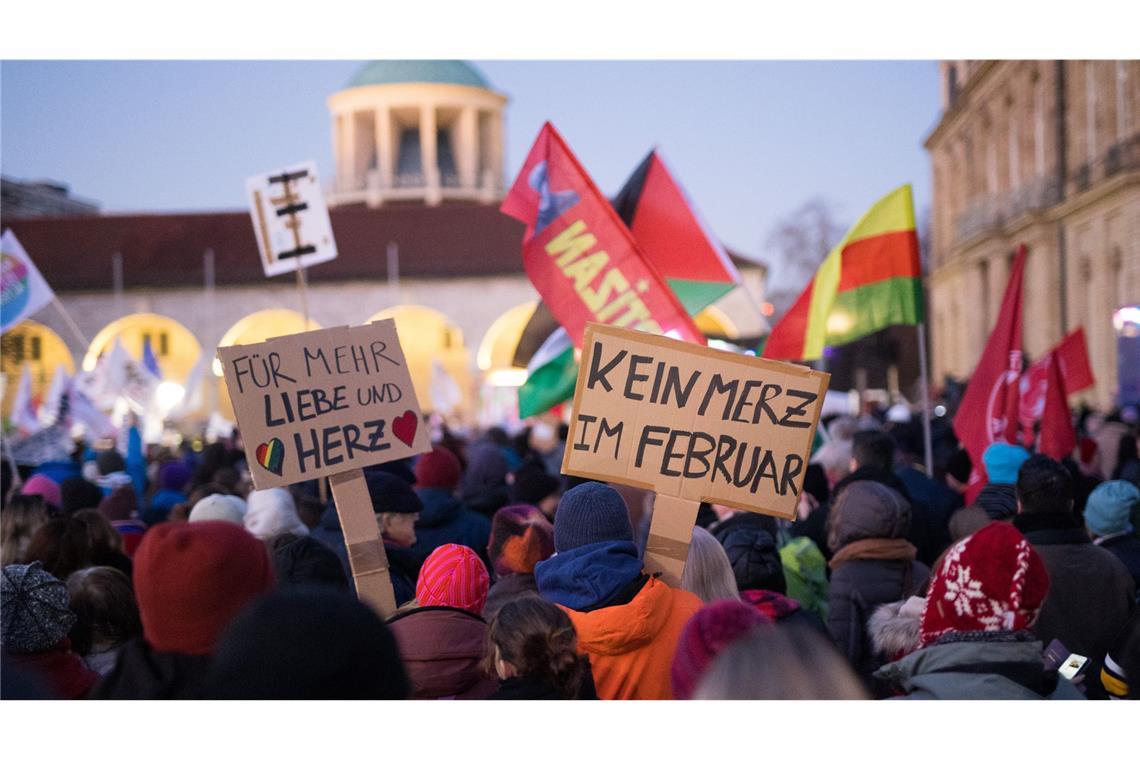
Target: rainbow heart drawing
271, 455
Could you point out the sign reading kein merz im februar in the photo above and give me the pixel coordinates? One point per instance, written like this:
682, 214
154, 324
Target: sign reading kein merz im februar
693, 422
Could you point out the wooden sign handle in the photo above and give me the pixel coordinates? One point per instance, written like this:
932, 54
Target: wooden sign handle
366, 553
670, 533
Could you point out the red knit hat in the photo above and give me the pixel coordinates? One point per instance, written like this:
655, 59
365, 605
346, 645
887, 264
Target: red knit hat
990, 581
192, 578
453, 576
709, 632
438, 468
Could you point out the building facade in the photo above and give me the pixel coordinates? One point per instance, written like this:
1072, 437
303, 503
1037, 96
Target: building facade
1045, 153
418, 148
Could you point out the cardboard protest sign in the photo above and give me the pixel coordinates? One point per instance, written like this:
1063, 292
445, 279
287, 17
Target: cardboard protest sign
290, 219
329, 403
691, 422
323, 402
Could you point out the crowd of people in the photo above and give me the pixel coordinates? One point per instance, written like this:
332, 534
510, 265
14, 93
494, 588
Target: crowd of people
158, 574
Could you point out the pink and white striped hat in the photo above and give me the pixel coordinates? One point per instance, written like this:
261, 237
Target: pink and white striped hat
453, 576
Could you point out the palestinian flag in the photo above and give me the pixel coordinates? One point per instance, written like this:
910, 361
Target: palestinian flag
552, 374
870, 280
673, 236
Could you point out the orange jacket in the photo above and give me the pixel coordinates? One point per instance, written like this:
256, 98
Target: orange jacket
631, 646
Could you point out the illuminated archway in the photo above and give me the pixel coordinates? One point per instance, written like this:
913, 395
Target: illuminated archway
41, 350
174, 346
497, 349
426, 335
254, 328
714, 322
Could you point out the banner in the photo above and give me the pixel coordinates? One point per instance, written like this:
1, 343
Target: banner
23, 290
691, 422
578, 254
323, 402
1071, 355
290, 219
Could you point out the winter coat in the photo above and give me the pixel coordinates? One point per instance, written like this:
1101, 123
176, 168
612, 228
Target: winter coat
931, 505
1126, 548
805, 573
445, 521
528, 687
404, 568
62, 671
631, 646
749, 540
442, 649
1091, 595
507, 589
894, 631
867, 579
977, 670
329, 533
783, 609
143, 673
164, 500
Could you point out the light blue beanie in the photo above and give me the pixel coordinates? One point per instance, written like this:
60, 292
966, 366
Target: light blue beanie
1110, 506
1002, 461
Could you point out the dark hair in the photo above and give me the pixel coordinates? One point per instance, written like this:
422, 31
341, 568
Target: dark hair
873, 448
105, 608
1044, 485
23, 515
539, 640
63, 545
103, 535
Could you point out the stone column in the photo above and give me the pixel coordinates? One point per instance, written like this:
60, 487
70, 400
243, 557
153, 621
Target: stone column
352, 180
385, 160
337, 166
468, 158
496, 157
428, 158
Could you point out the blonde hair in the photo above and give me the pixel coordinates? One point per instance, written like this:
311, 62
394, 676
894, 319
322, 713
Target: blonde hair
708, 573
783, 661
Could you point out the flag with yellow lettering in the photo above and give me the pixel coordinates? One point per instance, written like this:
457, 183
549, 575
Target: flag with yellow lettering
580, 256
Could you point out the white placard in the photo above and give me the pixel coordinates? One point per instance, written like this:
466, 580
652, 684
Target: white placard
290, 219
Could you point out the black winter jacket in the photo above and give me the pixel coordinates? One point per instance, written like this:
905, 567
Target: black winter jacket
749, 540
143, 673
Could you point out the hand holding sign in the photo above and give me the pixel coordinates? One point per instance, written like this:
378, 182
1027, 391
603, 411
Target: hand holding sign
692, 424
329, 403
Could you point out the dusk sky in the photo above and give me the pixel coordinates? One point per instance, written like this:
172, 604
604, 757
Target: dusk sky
751, 141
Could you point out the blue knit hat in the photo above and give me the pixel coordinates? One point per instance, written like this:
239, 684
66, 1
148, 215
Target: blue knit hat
1110, 507
1002, 461
590, 513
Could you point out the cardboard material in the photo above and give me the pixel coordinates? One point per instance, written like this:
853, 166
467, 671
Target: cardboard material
366, 554
323, 402
692, 423
670, 533
290, 219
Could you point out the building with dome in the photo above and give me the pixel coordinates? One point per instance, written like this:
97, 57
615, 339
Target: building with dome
419, 174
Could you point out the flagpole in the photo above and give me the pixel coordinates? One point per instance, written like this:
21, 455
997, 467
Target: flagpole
83, 342
924, 389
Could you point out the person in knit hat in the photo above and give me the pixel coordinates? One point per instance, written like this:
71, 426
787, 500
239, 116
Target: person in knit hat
1108, 517
521, 537
441, 639
190, 580
975, 631
483, 488
35, 620
998, 497
397, 508
531, 484
271, 512
711, 630
79, 493
872, 564
46, 488
628, 623
219, 506
173, 477
120, 507
1091, 593
305, 561
307, 643
444, 519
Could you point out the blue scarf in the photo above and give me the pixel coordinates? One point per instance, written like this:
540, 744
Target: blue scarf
588, 575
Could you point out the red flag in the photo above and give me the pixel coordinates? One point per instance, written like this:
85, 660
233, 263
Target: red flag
580, 256
1072, 357
1058, 438
989, 410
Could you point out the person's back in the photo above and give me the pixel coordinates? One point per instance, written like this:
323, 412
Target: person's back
1108, 515
628, 623
444, 520
1091, 594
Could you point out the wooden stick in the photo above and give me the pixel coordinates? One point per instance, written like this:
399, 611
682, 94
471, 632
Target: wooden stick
670, 533
303, 286
362, 539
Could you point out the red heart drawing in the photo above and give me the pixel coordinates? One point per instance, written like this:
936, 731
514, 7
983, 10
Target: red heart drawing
404, 427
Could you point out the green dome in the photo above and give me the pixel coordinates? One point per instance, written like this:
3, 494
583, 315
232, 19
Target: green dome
440, 72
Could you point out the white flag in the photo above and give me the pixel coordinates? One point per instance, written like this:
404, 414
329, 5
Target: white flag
128, 379
23, 290
23, 415
443, 391
50, 408
193, 398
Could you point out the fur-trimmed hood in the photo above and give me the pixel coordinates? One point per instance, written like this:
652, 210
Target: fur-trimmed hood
894, 627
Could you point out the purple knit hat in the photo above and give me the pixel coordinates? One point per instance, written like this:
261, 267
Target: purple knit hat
521, 537
709, 632
174, 476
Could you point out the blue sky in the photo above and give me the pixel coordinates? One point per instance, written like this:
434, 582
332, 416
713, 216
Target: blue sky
750, 140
